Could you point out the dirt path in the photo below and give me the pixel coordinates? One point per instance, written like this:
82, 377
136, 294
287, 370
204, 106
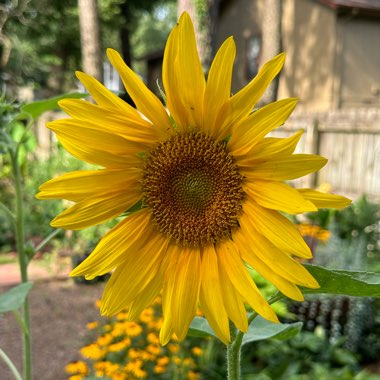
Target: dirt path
59, 313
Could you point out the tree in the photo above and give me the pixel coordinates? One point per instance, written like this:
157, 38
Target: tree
90, 38
271, 46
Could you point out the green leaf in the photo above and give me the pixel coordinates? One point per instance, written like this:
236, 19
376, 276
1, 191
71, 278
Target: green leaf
36, 109
15, 297
344, 282
200, 328
261, 329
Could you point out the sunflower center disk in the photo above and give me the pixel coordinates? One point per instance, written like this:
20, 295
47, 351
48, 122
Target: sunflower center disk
193, 189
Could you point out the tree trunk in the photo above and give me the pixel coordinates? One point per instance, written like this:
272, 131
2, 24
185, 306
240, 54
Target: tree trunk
90, 38
271, 28
125, 34
204, 20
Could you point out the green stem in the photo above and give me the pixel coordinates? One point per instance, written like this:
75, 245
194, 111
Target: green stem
10, 365
20, 321
233, 355
23, 260
46, 240
8, 212
234, 349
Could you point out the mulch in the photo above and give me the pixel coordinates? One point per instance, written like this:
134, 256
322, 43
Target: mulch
60, 311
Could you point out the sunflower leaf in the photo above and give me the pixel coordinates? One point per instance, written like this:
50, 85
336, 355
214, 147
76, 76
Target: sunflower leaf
37, 108
261, 329
200, 328
15, 297
344, 282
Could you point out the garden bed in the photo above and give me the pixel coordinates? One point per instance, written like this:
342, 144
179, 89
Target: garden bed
60, 311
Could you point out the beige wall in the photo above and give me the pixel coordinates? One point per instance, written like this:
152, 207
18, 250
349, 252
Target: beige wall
309, 40
333, 61
360, 68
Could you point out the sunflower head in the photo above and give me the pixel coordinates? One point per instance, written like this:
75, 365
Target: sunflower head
209, 186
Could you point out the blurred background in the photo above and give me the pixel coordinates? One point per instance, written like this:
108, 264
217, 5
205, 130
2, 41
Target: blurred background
332, 66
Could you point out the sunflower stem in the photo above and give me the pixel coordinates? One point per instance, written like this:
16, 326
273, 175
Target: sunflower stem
23, 260
233, 355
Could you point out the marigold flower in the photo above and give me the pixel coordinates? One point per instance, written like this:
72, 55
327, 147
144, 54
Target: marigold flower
92, 325
92, 351
78, 367
197, 351
208, 186
159, 369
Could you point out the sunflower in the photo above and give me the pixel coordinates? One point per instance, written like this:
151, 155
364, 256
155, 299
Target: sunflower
202, 188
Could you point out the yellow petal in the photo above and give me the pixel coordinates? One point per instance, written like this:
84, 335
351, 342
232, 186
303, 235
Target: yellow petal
170, 82
287, 287
132, 128
80, 132
188, 69
211, 296
133, 275
286, 168
229, 258
93, 155
166, 331
233, 301
241, 104
81, 184
103, 96
259, 124
120, 244
323, 200
218, 87
95, 210
147, 295
182, 289
278, 196
270, 148
146, 101
277, 229
257, 246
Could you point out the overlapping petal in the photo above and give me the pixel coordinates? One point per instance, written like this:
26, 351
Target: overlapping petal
286, 168
132, 128
218, 87
181, 289
240, 105
95, 210
119, 244
259, 124
182, 70
266, 194
270, 148
211, 296
82, 184
323, 200
103, 96
145, 100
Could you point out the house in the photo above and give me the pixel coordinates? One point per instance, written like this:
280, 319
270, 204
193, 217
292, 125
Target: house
332, 47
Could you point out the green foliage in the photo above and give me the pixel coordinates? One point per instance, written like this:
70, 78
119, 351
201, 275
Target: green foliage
43, 38
308, 356
344, 282
15, 297
259, 329
37, 108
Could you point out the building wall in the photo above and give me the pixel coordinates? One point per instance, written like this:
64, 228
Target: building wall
309, 40
360, 67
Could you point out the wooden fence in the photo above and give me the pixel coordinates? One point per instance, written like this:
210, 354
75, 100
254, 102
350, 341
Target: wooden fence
350, 139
